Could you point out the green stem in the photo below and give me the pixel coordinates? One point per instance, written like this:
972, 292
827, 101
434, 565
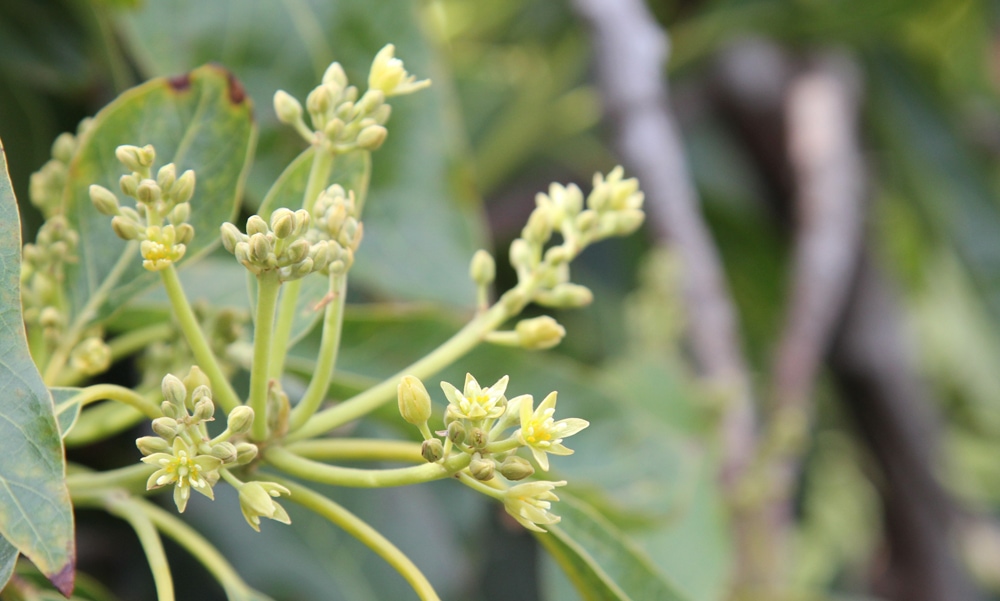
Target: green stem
134, 341
360, 530
101, 422
267, 300
461, 343
333, 321
319, 173
222, 391
132, 478
362, 478
482, 487
357, 449
200, 548
100, 392
132, 513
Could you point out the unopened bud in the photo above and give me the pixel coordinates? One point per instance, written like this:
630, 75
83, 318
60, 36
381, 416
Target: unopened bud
521, 255
260, 250
478, 438
483, 268
372, 137
151, 444
185, 233
432, 450
586, 220
332, 129
165, 427
196, 379
482, 468
414, 401
64, 147
245, 452
288, 109
539, 227
318, 102
456, 432
282, 223
240, 420
335, 75
104, 200
566, 296
180, 213
225, 451
173, 390
370, 101
148, 192
539, 333
516, 468
230, 236
256, 225
135, 158
166, 176
297, 250
183, 188
170, 410
204, 409
124, 228
129, 184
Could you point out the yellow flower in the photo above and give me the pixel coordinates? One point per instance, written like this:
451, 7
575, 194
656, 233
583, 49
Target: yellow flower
474, 402
256, 501
185, 470
390, 77
541, 433
529, 503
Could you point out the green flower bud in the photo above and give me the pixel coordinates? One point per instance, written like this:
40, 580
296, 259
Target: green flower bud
482, 469
124, 228
288, 109
539, 332
370, 101
185, 233
414, 401
166, 176
318, 102
231, 236
478, 438
183, 188
260, 250
522, 257
180, 213
104, 200
129, 184
245, 452
539, 227
224, 451
64, 147
456, 432
282, 223
256, 225
152, 444
372, 137
627, 221
173, 390
566, 296
557, 255
516, 468
91, 356
586, 220
196, 379
50, 317
483, 268
171, 410
166, 427
335, 76
297, 251
204, 409
432, 450
135, 158
240, 420
332, 129
148, 192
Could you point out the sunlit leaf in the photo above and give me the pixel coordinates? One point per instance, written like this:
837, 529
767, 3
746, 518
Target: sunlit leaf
35, 512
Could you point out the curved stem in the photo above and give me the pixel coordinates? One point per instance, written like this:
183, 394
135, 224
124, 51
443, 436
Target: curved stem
357, 449
362, 478
199, 548
112, 392
100, 422
483, 487
131, 512
360, 530
267, 300
461, 343
333, 320
131, 478
319, 173
222, 391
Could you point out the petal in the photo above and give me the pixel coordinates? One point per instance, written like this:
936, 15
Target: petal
181, 496
451, 393
543, 461
206, 490
280, 515
523, 521
499, 387
548, 403
558, 449
472, 387
155, 458
526, 410
568, 427
251, 519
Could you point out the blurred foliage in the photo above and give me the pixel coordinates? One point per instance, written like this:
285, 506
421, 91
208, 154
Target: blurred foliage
514, 106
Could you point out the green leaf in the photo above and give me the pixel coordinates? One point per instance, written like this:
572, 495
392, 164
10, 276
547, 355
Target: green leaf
600, 561
66, 415
8, 559
422, 220
35, 512
202, 121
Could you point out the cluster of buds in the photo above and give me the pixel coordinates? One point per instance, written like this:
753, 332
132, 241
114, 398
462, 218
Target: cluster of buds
43, 272
336, 223
91, 356
164, 199
341, 120
223, 327
182, 451
281, 246
48, 183
613, 208
476, 423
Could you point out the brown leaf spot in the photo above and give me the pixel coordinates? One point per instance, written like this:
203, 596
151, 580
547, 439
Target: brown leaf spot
180, 83
65, 579
237, 93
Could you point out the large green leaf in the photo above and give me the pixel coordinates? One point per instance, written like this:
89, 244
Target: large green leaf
35, 511
422, 223
202, 121
600, 561
8, 559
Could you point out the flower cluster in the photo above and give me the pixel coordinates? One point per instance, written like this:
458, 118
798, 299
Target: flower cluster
477, 419
341, 121
47, 184
280, 246
43, 272
183, 453
157, 200
336, 223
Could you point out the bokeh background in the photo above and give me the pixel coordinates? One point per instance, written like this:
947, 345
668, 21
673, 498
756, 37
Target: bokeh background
844, 158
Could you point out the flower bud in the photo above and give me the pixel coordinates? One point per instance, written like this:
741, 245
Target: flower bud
166, 176
64, 147
335, 75
128, 184
539, 332
372, 137
224, 451
566, 296
456, 432
521, 255
180, 213
173, 390
166, 427
170, 410
516, 468
148, 192
256, 225
539, 227
282, 223
297, 250
482, 469
586, 220
185, 233
240, 420
124, 228
628, 220
260, 250
135, 158
288, 109
414, 401
195, 379
204, 409
183, 189
483, 268
230, 236
245, 452
478, 438
432, 450
370, 101
104, 200
332, 129
557, 255
318, 102
148, 445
